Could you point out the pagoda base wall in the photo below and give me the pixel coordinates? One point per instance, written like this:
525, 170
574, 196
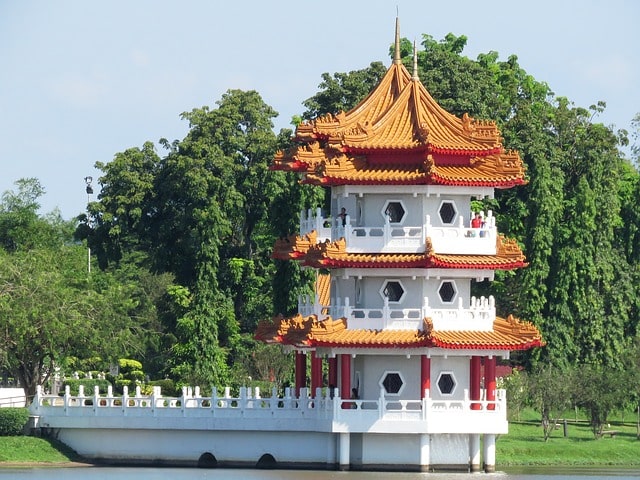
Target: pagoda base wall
268, 449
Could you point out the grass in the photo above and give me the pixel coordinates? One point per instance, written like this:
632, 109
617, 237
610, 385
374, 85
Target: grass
523, 446
34, 450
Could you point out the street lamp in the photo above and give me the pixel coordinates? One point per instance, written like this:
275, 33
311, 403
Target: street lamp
89, 189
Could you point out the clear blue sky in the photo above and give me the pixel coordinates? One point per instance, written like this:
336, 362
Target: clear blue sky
81, 80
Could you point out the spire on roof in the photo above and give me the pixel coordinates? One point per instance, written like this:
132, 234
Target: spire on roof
414, 75
396, 51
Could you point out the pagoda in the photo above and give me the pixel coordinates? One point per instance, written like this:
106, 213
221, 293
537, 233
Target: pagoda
393, 331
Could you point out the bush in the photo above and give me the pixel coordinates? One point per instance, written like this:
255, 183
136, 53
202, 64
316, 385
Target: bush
128, 365
167, 387
88, 383
12, 421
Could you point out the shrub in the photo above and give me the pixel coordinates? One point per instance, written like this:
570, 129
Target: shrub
13, 420
88, 383
167, 387
127, 365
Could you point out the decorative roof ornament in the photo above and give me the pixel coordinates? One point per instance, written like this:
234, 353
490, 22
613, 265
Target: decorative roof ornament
396, 49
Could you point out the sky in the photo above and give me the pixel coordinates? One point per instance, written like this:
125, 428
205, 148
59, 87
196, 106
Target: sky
82, 80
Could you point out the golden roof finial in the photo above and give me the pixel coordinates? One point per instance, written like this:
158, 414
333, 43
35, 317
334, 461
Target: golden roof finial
396, 51
414, 75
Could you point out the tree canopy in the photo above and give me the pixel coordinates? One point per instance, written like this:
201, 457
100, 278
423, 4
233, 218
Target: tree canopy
183, 236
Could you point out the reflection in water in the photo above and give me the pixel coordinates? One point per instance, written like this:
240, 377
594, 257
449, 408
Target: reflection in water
123, 473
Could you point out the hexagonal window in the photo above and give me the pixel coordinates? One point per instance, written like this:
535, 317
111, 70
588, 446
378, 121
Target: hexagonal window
447, 291
395, 211
392, 290
392, 383
446, 383
447, 212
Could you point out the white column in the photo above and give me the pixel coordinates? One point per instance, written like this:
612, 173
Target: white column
425, 452
489, 452
474, 452
344, 460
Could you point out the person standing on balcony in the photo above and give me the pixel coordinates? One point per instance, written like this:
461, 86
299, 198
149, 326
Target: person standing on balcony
343, 216
476, 222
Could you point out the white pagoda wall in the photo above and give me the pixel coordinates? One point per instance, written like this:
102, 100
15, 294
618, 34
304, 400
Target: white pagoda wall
416, 290
432, 285
371, 369
459, 367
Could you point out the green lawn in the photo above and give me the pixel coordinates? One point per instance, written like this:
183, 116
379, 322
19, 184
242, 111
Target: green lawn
33, 450
525, 445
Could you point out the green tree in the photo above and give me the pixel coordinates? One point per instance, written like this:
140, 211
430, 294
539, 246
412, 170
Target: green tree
49, 310
203, 213
580, 287
551, 391
599, 392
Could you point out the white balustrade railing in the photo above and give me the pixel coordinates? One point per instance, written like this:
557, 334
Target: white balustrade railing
314, 221
479, 316
388, 238
325, 405
461, 239
308, 307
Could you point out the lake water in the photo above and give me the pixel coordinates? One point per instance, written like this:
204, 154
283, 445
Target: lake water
140, 473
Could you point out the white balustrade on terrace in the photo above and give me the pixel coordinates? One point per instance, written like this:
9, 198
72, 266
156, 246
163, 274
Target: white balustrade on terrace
307, 307
315, 221
387, 238
479, 316
380, 414
464, 240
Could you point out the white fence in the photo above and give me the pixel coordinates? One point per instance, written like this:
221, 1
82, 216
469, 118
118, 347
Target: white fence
387, 238
361, 415
479, 316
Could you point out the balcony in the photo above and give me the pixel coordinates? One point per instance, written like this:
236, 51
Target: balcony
388, 238
250, 410
478, 317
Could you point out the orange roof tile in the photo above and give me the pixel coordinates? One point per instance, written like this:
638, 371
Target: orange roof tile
368, 110
340, 169
400, 120
507, 334
334, 255
294, 246
323, 288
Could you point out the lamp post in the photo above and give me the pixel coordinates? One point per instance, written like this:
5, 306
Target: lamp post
89, 189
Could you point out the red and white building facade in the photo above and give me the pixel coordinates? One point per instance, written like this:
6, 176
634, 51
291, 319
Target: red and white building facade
395, 358
395, 324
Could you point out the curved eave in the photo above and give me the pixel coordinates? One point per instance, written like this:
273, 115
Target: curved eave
477, 182
489, 345
351, 261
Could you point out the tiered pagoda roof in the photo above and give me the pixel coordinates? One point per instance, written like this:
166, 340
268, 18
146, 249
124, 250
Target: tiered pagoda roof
309, 332
334, 255
399, 135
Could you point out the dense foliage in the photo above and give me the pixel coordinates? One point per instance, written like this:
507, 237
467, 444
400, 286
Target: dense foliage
13, 420
183, 238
